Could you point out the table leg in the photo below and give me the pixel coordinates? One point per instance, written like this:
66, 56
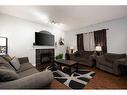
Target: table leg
60, 67
70, 70
77, 67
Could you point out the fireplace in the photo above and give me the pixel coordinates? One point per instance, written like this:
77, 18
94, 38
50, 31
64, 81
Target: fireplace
44, 58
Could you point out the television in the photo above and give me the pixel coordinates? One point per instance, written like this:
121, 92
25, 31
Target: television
44, 39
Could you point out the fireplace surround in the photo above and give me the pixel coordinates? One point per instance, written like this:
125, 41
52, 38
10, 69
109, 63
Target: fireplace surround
44, 58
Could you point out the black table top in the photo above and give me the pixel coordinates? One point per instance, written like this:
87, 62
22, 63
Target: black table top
65, 62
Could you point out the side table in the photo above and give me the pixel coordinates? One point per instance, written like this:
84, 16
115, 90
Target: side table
93, 59
123, 67
67, 56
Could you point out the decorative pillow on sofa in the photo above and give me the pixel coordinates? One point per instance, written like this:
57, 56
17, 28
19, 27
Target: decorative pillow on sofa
7, 74
7, 57
111, 57
15, 62
77, 54
87, 54
5, 63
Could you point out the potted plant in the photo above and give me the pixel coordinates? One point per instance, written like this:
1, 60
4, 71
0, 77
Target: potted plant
60, 56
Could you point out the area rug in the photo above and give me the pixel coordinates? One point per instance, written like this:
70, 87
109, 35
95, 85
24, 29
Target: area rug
77, 80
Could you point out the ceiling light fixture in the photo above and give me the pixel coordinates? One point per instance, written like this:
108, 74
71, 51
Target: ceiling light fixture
45, 19
56, 23
53, 22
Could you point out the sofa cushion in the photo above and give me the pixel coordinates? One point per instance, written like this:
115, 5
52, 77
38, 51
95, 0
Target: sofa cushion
15, 63
28, 72
112, 57
105, 68
5, 63
82, 59
7, 74
108, 64
25, 66
23, 60
86, 53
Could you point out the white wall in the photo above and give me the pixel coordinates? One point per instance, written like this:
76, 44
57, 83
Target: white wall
21, 35
116, 35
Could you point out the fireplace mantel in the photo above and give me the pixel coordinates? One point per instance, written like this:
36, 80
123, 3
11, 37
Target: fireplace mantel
43, 47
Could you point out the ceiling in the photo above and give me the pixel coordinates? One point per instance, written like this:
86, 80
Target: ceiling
72, 17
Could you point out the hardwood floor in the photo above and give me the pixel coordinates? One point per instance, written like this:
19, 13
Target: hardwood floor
102, 80
57, 85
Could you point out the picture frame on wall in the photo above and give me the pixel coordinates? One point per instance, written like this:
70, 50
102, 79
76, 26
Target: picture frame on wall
3, 45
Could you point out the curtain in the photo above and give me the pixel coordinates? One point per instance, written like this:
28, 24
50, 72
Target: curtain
89, 44
80, 45
100, 39
86, 41
92, 42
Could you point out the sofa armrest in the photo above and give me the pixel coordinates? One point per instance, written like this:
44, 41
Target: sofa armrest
92, 58
122, 60
116, 65
23, 60
100, 59
37, 80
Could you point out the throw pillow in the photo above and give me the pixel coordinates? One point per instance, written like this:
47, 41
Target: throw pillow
15, 62
7, 57
7, 74
5, 63
77, 54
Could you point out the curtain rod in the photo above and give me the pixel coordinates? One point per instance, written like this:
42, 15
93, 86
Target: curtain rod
96, 30
102, 29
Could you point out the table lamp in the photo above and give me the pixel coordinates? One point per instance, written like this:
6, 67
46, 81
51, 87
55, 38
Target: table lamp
71, 48
98, 50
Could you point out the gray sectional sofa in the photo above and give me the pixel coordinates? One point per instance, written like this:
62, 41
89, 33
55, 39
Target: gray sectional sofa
109, 62
27, 77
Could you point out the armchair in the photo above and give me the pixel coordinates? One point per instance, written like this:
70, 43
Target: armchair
109, 62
